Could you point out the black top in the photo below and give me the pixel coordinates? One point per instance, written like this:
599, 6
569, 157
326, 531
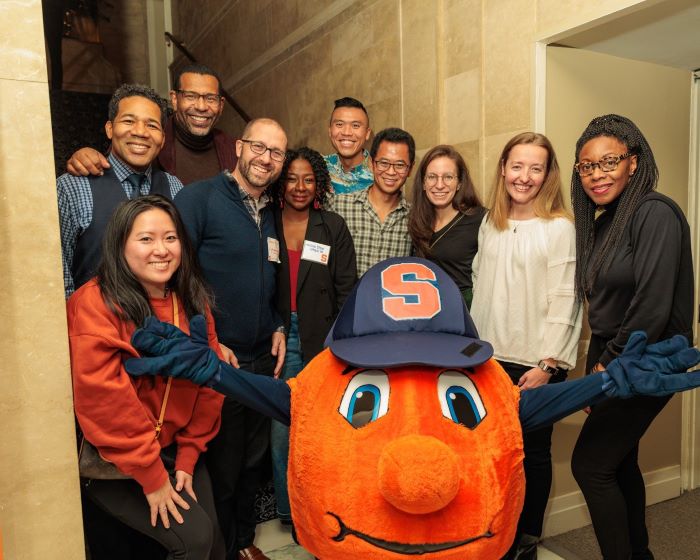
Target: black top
649, 285
454, 246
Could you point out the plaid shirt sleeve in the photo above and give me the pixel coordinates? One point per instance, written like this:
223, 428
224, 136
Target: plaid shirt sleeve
74, 216
175, 185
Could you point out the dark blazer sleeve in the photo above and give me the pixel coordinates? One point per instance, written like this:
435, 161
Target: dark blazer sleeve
344, 265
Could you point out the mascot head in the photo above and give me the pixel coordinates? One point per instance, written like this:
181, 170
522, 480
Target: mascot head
405, 437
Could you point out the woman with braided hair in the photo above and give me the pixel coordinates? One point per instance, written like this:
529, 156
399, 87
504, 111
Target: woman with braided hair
633, 264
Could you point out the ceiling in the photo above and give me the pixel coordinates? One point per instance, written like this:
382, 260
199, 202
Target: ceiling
667, 33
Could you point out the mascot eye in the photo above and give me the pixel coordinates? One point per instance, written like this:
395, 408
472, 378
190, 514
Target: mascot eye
366, 398
459, 399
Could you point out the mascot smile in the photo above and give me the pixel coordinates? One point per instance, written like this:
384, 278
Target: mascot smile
405, 435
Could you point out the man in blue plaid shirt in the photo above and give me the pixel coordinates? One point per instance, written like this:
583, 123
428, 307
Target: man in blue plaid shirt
137, 117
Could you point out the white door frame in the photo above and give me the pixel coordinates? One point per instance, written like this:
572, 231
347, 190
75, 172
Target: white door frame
690, 435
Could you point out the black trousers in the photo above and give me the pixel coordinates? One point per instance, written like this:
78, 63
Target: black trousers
198, 538
537, 447
109, 539
604, 463
236, 462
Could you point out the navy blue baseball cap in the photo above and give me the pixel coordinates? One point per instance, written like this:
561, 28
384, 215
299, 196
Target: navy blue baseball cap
406, 311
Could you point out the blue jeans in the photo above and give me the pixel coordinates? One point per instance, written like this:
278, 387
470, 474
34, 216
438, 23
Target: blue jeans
279, 433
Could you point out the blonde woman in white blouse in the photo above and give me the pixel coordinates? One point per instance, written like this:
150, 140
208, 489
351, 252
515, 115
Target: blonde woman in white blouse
524, 299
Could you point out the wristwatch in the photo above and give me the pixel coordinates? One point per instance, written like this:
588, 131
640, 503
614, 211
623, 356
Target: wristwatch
546, 368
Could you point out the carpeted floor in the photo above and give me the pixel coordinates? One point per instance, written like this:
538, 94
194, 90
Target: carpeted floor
674, 533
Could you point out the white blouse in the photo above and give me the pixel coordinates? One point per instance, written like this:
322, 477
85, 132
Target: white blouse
524, 300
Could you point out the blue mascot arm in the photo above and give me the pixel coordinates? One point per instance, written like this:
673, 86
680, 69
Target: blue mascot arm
546, 404
654, 370
166, 350
267, 395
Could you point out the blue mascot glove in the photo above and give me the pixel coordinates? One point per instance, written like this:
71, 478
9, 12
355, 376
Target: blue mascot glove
653, 370
166, 350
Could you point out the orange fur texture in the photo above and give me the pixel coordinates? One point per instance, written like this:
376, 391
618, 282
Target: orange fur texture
411, 482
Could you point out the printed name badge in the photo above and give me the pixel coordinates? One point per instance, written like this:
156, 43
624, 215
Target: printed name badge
316, 252
273, 250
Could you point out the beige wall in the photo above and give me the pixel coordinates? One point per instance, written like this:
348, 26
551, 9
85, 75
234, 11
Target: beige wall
39, 499
456, 71
657, 99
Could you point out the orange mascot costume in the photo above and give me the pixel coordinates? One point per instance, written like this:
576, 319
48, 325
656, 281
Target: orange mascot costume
406, 436
388, 460
435, 468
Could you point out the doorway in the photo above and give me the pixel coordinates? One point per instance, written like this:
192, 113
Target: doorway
639, 65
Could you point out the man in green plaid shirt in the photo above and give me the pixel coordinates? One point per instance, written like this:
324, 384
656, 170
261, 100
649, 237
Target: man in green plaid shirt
378, 216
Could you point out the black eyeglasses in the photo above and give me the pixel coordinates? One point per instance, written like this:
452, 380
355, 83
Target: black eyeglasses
260, 148
607, 164
193, 97
383, 165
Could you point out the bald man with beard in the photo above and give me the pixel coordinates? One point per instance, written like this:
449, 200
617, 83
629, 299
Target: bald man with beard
233, 231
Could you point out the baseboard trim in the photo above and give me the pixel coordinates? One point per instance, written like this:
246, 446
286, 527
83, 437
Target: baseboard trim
569, 511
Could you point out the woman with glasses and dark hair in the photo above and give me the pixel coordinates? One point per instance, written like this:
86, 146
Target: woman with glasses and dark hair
317, 273
634, 267
524, 300
153, 431
445, 215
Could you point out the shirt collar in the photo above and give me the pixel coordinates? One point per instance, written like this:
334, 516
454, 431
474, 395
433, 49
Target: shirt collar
366, 162
122, 170
403, 203
245, 195
360, 196
363, 196
334, 159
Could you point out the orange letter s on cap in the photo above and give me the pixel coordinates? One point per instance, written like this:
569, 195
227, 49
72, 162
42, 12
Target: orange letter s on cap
409, 291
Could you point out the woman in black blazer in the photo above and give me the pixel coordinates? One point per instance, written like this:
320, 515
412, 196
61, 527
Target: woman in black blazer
318, 272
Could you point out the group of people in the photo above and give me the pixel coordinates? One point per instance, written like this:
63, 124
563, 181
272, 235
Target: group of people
267, 242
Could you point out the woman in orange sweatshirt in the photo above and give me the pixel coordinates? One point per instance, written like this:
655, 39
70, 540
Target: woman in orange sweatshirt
148, 268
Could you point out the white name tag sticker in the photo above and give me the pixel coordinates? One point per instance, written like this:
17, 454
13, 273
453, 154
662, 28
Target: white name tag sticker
316, 252
273, 249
